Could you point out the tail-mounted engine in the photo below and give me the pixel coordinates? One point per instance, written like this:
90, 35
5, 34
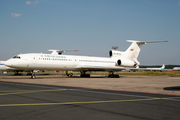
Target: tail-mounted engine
114, 53
126, 63
122, 62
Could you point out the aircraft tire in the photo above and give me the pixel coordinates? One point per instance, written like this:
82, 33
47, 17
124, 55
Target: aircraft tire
85, 75
33, 76
113, 76
71, 74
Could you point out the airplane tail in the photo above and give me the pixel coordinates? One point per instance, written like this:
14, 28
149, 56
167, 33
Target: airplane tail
133, 51
163, 67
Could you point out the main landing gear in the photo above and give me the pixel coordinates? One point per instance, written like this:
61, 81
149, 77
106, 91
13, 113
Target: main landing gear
69, 73
17, 73
112, 75
83, 74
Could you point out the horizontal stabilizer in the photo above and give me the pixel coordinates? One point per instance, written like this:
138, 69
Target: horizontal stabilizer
59, 52
144, 42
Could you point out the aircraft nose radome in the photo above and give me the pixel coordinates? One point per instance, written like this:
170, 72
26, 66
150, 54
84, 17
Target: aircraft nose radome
8, 63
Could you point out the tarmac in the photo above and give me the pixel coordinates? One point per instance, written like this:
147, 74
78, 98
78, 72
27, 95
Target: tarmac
146, 84
58, 97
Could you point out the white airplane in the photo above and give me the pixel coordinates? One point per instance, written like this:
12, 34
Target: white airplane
55, 61
155, 69
176, 69
148, 69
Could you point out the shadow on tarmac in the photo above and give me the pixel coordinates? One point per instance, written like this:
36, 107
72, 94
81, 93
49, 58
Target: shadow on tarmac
174, 88
50, 75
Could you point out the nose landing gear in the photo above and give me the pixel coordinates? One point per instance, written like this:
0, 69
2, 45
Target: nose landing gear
33, 76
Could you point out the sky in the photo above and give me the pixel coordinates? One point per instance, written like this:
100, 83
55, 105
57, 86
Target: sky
92, 27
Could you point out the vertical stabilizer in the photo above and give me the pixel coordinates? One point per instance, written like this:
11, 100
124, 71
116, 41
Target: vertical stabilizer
134, 49
163, 67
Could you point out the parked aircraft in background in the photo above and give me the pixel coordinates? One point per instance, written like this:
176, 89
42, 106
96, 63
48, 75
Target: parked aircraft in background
150, 69
56, 61
4, 68
155, 69
176, 69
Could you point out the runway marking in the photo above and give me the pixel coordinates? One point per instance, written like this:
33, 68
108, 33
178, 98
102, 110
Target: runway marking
32, 91
118, 94
28, 84
86, 102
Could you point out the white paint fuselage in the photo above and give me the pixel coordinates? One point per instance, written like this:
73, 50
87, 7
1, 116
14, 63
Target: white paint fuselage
58, 62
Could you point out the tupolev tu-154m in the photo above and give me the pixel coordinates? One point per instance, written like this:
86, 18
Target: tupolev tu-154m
117, 61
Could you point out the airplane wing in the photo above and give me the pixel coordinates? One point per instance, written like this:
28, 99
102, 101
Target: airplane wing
99, 68
106, 68
59, 52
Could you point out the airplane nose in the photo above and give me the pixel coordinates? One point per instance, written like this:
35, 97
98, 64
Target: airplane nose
8, 63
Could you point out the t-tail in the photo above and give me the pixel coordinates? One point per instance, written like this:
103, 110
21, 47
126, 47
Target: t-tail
163, 67
129, 57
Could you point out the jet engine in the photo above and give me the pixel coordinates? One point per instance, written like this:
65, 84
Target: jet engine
114, 53
126, 63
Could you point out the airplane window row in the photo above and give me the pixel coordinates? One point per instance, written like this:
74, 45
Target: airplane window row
95, 61
55, 59
117, 53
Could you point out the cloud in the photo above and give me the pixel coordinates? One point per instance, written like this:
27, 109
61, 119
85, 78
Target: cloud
15, 15
32, 3
28, 3
36, 2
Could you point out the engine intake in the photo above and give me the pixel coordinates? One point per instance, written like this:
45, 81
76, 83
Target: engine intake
114, 53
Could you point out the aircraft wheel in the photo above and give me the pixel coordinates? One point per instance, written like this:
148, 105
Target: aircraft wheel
113, 76
33, 76
85, 75
117, 76
110, 76
71, 75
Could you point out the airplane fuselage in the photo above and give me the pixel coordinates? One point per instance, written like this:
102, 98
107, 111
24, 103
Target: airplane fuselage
58, 62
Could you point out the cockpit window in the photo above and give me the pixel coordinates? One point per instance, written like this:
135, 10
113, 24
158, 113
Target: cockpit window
17, 57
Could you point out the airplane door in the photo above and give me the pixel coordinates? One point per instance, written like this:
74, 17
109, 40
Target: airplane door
75, 61
34, 59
